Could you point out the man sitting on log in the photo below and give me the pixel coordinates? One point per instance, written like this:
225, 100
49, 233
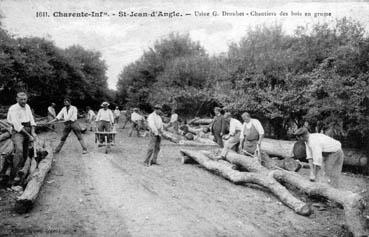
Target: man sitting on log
251, 135
155, 124
137, 121
323, 153
105, 120
69, 114
218, 126
233, 138
23, 123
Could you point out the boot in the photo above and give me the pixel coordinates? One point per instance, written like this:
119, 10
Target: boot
83, 145
59, 147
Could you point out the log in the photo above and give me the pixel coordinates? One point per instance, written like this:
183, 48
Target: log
4, 136
353, 203
204, 121
25, 202
284, 149
181, 140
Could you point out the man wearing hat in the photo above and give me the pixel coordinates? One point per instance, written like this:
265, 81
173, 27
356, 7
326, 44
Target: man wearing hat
69, 114
251, 135
137, 120
155, 124
233, 138
218, 126
105, 120
323, 153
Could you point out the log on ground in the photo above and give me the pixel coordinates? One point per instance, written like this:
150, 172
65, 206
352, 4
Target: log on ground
26, 200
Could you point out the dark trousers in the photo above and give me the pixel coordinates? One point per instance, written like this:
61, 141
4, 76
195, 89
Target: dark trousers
104, 126
21, 143
71, 126
218, 139
153, 149
135, 127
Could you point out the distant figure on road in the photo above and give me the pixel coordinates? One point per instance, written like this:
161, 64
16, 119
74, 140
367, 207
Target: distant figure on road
116, 115
323, 153
251, 135
174, 120
126, 117
155, 125
137, 121
21, 118
105, 121
51, 114
90, 119
232, 139
218, 126
69, 114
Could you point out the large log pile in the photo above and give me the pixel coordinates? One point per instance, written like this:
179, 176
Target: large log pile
272, 180
284, 149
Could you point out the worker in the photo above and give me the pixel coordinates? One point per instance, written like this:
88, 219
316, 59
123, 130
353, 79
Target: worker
116, 115
69, 115
174, 121
232, 139
218, 126
252, 134
324, 154
125, 114
137, 121
90, 118
105, 121
23, 132
155, 125
51, 114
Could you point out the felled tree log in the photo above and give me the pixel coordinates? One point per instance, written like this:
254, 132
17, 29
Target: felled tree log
353, 203
25, 201
283, 148
204, 121
4, 136
181, 140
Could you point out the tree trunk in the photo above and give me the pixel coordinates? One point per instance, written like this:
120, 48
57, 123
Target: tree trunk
283, 148
181, 140
257, 174
37, 178
4, 136
204, 121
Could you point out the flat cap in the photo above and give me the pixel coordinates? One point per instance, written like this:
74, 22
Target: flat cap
301, 131
104, 103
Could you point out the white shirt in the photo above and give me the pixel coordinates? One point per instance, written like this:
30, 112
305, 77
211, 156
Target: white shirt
18, 115
259, 128
318, 143
105, 115
116, 113
136, 117
155, 123
51, 110
90, 115
70, 115
173, 118
234, 125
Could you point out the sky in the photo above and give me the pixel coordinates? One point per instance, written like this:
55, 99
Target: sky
122, 40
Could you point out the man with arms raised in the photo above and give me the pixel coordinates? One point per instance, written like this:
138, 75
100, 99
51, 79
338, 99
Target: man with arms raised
23, 123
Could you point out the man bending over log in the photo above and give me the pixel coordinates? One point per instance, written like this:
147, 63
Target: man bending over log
69, 114
233, 138
323, 153
218, 126
105, 120
251, 135
155, 124
23, 123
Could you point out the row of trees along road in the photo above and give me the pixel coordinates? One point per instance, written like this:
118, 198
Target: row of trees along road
318, 74
49, 74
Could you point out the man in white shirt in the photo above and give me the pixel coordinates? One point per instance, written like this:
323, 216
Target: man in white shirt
105, 120
174, 121
23, 124
232, 139
155, 124
323, 153
116, 115
252, 134
137, 121
51, 114
90, 119
69, 114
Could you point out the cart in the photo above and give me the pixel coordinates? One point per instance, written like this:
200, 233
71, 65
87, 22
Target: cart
106, 142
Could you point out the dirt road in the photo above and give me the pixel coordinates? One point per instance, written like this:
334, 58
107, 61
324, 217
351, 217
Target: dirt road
116, 195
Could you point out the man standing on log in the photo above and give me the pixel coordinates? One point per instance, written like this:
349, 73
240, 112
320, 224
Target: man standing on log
218, 126
155, 124
323, 153
137, 120
23, 124
105, 120
233, 138
251, 135
69, 114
